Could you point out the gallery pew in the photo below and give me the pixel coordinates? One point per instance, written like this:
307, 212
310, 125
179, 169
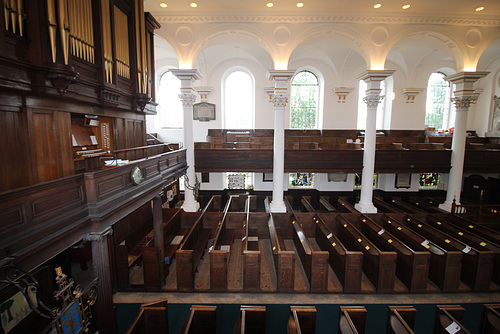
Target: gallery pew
469, 237
219, 252
201, 320
152, 318
477, 265
490, 323
445, 265
352, 320
189, 254
251, 255
302, 320
252, 320
412, 267
378, 265
284, 260
315, 262
449, 319
346, 264
401, 320
345, 206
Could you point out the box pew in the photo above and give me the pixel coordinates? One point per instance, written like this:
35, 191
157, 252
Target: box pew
345, 206
352, 319
449, 319
220, 250
477, 265
302, 320
490, 323
315, 262
379, 266
326, 205
401, 320
383, 206
152, 318
189, 254
284, 260
252, 320
126, 259
347, 264
445, 264
412, 267
469, 237
251, 255
173, 234
202, 319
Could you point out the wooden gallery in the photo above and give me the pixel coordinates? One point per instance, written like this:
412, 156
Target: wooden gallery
232, 167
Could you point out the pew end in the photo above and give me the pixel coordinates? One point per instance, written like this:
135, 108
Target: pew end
401, 320
302, 320
201, 319
352, 319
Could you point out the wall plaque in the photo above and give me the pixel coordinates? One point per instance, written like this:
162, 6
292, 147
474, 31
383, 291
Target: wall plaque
204, 111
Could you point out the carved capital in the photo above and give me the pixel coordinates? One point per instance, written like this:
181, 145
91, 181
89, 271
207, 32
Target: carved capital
462, 103
280, 100
99, 236
372, 101
187, 99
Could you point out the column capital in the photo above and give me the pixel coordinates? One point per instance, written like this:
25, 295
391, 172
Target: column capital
99, 236
372, 101
187, 99
192, 74
375, 75
464, 82
462, 103
280, 75
279, 100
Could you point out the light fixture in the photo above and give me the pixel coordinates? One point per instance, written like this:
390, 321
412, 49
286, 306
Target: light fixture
300, 4
378, 5
193, 4
269, 4
478, 9
406, 6
163, 5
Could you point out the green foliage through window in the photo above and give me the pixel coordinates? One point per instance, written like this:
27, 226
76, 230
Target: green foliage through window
438, 102
304, 101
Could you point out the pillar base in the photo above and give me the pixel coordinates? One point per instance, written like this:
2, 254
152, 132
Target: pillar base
278, 207
446, 206
190, 206
365, 207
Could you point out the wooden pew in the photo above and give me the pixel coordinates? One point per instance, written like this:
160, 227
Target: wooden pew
428, 205
412, 267
481, 230
490, 323
469, 237
477, 265
201, 320
449, 319
326, 205
315, 262
383, 206
284, 260
406, 207
302, 320
189, 254
445, 265
352, 320
379, 266
251, 255
173, 233
219, 252
345, 206
401, 320
152, 318
347, 264
252, 320
306, 204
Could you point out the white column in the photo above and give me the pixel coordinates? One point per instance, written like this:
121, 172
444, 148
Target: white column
280, 100
188, 98
463, 97
372, 99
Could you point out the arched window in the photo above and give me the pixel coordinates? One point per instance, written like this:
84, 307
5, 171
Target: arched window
362, 108
304, 101
238, 101
170, 112
438, 104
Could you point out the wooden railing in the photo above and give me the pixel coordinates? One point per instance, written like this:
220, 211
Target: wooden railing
477, 212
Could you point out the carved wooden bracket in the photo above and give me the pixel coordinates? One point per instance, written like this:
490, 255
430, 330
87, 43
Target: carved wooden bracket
142, 100
61, 76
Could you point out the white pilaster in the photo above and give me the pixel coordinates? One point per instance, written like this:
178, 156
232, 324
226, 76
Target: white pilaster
463, 97
188, 98
280, 100
372, 99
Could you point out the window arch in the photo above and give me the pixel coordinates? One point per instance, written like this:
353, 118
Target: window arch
438, 107
304, 101
170, 111
238, 106
362, 107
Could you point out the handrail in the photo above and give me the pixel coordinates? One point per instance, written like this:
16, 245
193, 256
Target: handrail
147, 147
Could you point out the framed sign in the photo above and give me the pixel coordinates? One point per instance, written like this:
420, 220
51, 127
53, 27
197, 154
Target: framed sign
403, 180
204, 111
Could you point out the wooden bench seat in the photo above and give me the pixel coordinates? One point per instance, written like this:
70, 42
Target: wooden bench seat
352, 319
326, 205
490, 323
383, 206
284, 260
302, 320
346, 264
449, 319
401, 319
345, 206
252, 320
202, 319
406, 207
251, 254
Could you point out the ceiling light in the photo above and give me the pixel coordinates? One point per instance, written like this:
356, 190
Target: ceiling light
378, 5
300, 4
163, 5
406, 6
193, 4
269, 4
478, 9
